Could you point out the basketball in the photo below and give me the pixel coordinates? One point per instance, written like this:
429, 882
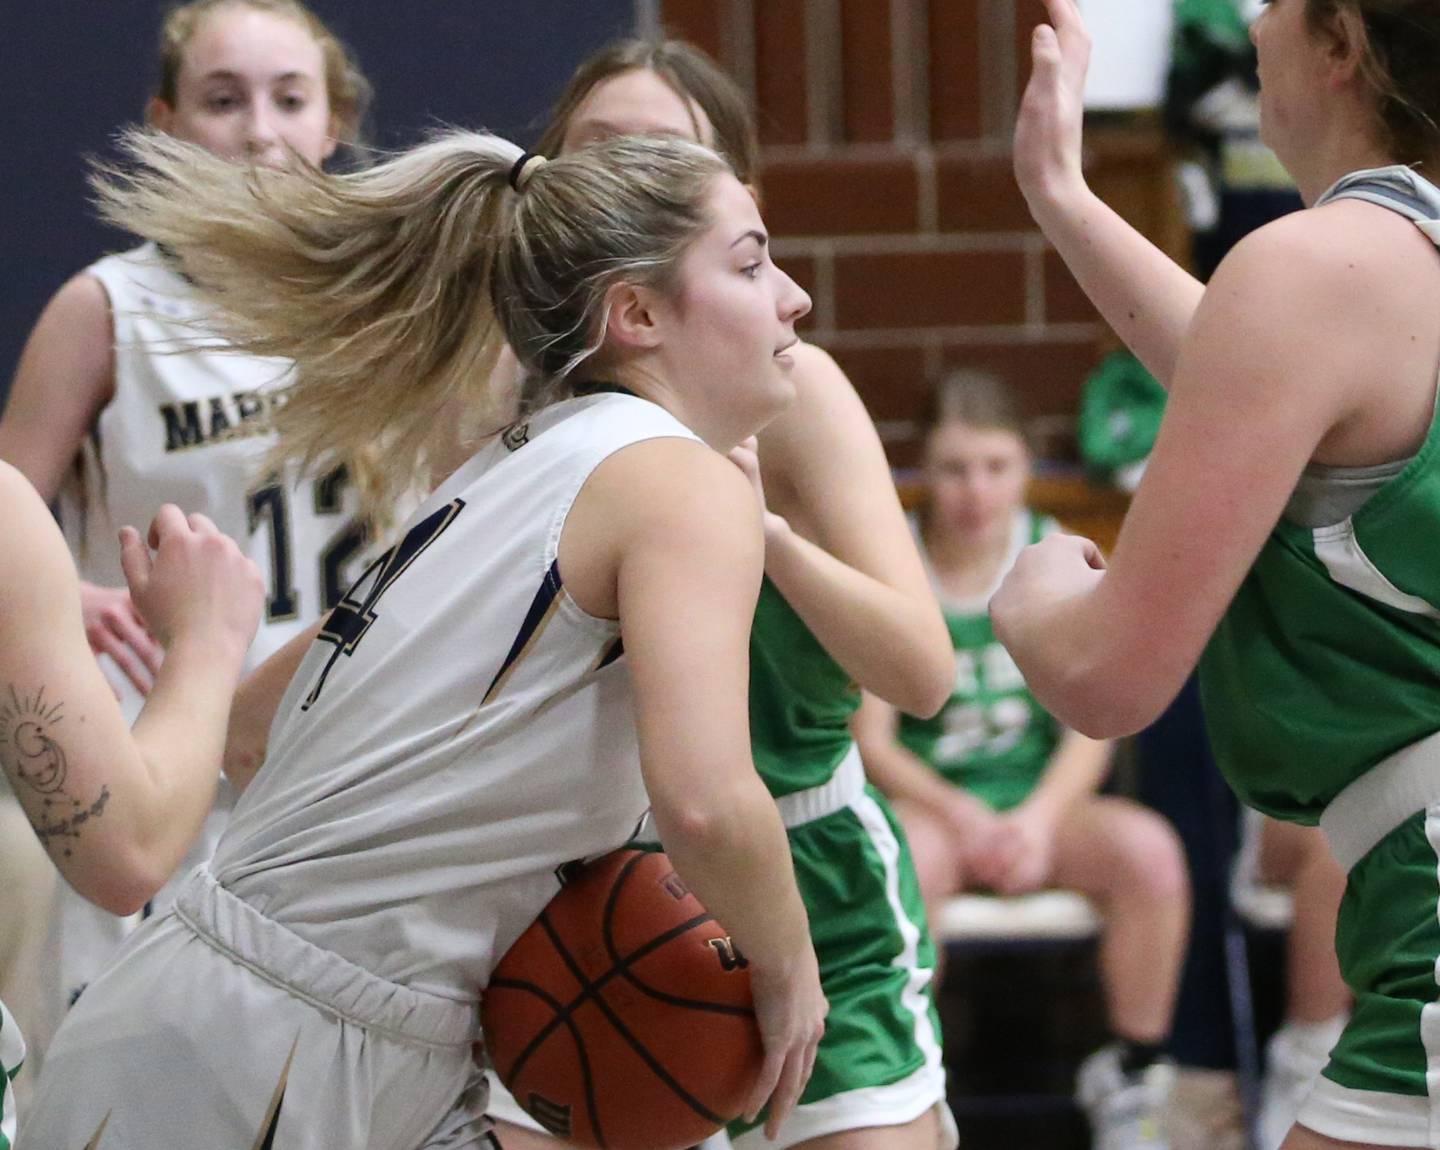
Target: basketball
622, 1017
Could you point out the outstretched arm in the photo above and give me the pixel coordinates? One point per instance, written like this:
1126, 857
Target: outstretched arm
1143, 294
117, 809
1106, 651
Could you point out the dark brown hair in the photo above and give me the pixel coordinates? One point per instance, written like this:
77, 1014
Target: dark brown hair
690, 73
1401, 61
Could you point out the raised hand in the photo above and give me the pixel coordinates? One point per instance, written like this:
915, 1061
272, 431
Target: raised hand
1049, 129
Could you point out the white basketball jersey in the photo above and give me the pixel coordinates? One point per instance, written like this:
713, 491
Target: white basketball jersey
461, 729
193, 429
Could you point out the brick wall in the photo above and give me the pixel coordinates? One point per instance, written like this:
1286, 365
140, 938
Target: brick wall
887, 185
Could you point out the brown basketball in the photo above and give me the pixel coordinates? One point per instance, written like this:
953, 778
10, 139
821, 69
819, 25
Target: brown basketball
622, 1017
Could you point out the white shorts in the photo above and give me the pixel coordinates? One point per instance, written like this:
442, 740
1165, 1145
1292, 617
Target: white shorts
219, 1027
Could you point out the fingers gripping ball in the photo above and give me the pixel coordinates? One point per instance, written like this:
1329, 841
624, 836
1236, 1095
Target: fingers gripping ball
622, 1017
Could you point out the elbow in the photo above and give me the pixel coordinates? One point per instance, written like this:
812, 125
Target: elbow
689, 825
713, 819
132, 889
923, 682
122, 878
123, 903
1106, 702
1101, 718
120, 890
933, 682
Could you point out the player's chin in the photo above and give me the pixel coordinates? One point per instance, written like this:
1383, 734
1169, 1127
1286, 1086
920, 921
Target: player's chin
781, 391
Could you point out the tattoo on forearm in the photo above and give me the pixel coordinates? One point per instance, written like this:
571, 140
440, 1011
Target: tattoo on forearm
36, 762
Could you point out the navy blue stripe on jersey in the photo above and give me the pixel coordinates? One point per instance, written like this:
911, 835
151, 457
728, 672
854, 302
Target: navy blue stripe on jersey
99, 1131
615, 651
541, 608
353, 616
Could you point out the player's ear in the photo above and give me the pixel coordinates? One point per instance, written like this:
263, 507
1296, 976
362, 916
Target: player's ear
632, 319
158, 114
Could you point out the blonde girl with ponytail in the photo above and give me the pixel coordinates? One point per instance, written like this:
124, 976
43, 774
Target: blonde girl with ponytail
557, 641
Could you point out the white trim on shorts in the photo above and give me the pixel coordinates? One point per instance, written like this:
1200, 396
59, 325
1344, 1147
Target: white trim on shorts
899, 1102
1382, 798
844, 786
894, 1105
1367, 1116
1375, 1116
840, 790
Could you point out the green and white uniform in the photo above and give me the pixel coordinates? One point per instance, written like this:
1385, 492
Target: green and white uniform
993, 738
12, 1054
1322, 695
879, 1063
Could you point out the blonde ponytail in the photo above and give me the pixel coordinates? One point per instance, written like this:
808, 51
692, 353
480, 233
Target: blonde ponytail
379, 284
373, 282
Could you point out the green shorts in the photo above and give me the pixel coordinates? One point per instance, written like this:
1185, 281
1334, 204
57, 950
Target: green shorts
879, 1063
1382, 1084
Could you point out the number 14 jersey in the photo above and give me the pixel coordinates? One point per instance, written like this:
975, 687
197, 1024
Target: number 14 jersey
460, 730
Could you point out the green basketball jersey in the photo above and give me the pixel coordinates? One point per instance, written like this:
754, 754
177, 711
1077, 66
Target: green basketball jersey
1328, 660
992, 738
800, 700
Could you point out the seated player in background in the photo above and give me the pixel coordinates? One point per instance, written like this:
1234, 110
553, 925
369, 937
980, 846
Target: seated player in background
994, 794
